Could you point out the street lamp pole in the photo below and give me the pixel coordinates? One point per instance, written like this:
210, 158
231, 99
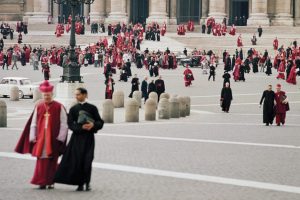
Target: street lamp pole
71, 72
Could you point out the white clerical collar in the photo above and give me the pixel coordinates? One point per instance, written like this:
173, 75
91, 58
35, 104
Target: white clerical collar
83, 102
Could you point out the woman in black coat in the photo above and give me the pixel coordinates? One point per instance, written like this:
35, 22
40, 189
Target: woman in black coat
268, 98
226, 97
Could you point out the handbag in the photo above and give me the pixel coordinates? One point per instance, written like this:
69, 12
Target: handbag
84, 117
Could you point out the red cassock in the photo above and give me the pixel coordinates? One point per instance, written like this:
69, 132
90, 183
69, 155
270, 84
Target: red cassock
232, 31
47, 148
275, 44
280, 108
239, 42
236, 72
9, 57
292, 76
281, 70
188, 77
58, 31
1, 58
27, 55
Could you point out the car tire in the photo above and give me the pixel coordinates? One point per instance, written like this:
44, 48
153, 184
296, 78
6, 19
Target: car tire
21, 94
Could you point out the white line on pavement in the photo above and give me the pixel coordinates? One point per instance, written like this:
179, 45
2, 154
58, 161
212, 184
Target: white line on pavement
249, 94
180, 175
199, 140
236, 104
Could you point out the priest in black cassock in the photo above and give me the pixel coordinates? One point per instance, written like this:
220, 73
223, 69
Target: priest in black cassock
76, 165
226, 97
268, 98
134, 85
160, 86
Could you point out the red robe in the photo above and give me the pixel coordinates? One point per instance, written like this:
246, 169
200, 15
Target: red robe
236, 72
280, 108
281, 70
239, 42
292, 76
188, 77
27, 55
46, 140
275, 44
232, 30
1, 58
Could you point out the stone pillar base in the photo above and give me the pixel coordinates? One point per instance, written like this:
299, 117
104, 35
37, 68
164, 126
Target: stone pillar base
160, 19
297, 21
218, 16
116, 18
257, 19
95, 17
65, 93
173, 21
38, 18
283, 20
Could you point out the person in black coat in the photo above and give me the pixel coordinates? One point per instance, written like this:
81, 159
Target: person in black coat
151, 87
212, 72
160, 86
255, 64
144, 89
226, 97
268, 98
76, 165
226, 77
232, 63
134, 85
203, 27
259, 30
269, 66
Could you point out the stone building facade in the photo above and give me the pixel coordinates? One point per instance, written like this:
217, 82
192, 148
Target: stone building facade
258, 12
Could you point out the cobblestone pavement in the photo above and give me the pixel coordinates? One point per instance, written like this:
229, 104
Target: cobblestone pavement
208, 155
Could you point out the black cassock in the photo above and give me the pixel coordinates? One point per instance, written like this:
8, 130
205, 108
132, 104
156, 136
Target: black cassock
268, 107
226, 97
134, 86
76, 165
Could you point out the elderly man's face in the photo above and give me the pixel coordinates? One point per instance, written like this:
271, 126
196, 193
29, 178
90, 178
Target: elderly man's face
47, 96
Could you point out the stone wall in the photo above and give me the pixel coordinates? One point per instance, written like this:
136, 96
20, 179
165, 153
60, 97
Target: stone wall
11, 10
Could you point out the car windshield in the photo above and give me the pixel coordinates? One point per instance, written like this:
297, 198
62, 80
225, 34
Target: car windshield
25, 82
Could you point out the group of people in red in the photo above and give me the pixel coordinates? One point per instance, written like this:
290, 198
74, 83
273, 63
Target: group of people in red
61, 28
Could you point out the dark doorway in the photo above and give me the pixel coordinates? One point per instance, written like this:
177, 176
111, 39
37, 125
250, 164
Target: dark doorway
239, 9
66, 10
188, 10
139, 11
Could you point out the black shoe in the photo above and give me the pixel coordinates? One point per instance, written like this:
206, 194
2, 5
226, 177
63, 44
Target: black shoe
88, 187
267, 124
42, 187
50, 187
80, 188
278, 124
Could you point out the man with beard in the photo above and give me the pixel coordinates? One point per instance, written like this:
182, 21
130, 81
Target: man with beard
76, 165
268, 98
160, 86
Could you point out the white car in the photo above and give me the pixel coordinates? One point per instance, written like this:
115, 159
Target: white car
24, 85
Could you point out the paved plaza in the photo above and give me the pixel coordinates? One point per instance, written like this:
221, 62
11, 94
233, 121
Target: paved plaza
209, 155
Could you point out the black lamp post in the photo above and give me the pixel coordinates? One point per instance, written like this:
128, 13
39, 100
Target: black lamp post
71, 73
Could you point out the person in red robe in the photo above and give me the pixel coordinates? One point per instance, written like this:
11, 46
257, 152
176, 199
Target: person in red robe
275, 44
109, 90
57, 31
27, 54
239, 41
292, 76
44, 137
281, 105
281, 70
188, 77
236, 72
1, 58
68, 28
232, 30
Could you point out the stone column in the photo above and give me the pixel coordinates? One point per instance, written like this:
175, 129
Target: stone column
283, 15
173, 12
258, 14
204, 10
297, 12
217, 9
28, 10
55, 12
98, 9
118, 12
40, 12
158, 12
